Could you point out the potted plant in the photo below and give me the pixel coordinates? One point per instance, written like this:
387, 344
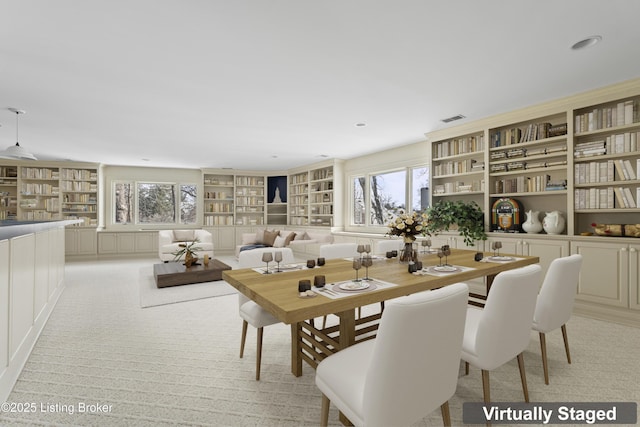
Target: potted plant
468, 217
188, 250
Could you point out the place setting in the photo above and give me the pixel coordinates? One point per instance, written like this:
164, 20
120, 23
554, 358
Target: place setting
442, 269
496, 257
350, 287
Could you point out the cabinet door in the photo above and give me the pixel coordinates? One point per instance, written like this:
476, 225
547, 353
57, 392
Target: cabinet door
634, 276
108, 243
4, 305
86, 241
546, 250
226, 239
70, 241
126, 243
604, 273
144, 242
509, 246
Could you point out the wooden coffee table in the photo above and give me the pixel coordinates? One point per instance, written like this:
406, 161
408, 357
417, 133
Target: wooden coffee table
176, 274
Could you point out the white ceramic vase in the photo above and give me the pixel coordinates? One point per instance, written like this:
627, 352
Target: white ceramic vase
553, 222
532, 224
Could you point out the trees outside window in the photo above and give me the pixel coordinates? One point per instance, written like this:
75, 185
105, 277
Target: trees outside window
379, 196
155, 203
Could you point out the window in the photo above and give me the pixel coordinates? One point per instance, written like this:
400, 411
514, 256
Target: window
377, 197
388, 196
155, 203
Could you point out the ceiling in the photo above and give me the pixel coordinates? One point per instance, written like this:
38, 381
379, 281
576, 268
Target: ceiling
271, 85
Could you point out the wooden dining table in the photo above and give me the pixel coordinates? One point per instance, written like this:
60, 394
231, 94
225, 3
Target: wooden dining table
278, 294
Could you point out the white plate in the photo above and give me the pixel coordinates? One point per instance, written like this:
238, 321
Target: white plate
501, 258
445, 269
353, 286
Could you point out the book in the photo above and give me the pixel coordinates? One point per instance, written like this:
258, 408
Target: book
619, 197
620, 169
629, 169
638, 197
629, 198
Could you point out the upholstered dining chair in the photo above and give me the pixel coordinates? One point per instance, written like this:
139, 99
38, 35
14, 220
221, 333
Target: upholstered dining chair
408, 370
250, 312
555, 303
501, 331
339, 250
384, 246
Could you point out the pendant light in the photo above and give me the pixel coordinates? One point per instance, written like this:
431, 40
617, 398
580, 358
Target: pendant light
16, 151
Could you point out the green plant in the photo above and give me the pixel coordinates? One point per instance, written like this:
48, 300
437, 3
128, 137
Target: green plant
188, 250
468, 217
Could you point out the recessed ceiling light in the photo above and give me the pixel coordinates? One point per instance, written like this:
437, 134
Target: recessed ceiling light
589, 41
146, 160
324, 155
360, 125
274, 157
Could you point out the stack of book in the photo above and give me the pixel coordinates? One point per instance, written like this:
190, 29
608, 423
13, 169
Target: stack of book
592, 148
560, 184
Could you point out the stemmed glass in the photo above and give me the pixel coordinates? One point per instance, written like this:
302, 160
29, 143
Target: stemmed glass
267, 257
367, 262
278, 258
440, 255
367, 249
496, 248
428, 242
360, 250
424, 245
357, 265
446, 250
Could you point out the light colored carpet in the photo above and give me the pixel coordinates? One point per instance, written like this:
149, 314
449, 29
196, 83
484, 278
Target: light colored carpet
178, 364
152, 296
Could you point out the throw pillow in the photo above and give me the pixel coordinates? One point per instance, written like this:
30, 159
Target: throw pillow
248, 238
289, 238
183, 235
260, 236
279, 242
270, 237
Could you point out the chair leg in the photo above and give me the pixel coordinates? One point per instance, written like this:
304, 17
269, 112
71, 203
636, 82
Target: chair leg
324, 413
543, 351
259, 353
466, 368
485, 386
446, 416
359, 312
523, 377
244, 337
566, 342
324, 322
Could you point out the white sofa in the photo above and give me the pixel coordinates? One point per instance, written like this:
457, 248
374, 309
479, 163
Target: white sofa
169, 242
305, 244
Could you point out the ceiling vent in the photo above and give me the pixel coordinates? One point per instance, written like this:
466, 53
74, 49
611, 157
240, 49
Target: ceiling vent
453, 118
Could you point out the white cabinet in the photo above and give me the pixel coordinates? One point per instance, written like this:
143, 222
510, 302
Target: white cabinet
604, 277
127, 242
146, 241
634, 276
4, 306
545, 249
81, 241
224, 239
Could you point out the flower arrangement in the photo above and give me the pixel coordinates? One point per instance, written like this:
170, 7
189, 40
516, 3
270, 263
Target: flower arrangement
408, 225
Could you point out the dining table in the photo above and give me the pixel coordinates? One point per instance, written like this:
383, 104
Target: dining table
278, 292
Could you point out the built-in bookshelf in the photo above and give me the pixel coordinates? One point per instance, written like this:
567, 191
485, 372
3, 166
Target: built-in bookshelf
8, 192
218, 200
39, 194
321, 196
299, 198
250, 200
79, 193
459, 168
606, 163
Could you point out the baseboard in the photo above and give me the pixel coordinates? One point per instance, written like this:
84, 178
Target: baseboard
623, 316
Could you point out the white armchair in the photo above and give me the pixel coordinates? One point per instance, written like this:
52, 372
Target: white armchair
169, 242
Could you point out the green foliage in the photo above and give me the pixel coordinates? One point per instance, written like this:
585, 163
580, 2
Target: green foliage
468, 217
187, 247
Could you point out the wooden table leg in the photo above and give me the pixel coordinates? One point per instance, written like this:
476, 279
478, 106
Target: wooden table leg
296, 350
347, 328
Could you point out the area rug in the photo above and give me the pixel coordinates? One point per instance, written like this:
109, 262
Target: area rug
152, 296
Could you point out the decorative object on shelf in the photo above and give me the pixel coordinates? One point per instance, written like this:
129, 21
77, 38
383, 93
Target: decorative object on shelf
16, 151
408, 226
188, 250
553, 222
468, 217
617, 230
506, 215
532, 224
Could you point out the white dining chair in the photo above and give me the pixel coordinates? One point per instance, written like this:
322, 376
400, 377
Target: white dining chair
501, 331
250, 312
555, 303
339, 250
408, 370
384, 246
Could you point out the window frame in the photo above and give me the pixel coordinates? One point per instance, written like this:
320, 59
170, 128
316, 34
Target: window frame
408, 190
